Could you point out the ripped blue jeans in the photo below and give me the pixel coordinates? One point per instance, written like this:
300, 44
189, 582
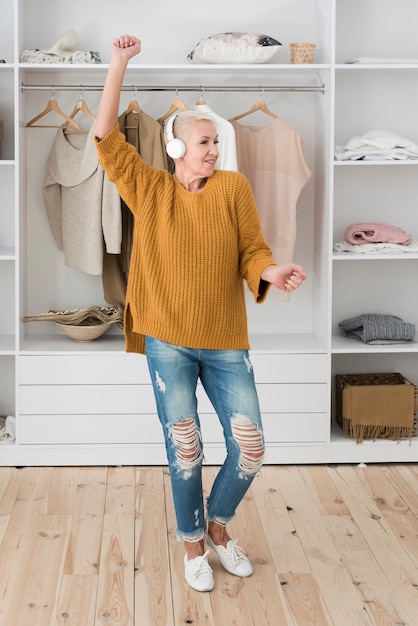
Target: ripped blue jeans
228, 379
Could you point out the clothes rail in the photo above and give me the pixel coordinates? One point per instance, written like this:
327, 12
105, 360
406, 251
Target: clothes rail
178, 88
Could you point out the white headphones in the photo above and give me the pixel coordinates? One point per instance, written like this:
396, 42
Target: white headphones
175, 148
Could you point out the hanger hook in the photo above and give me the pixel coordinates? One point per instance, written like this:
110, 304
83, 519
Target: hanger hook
202, 93
135, 88
261, 96
53, 93
177, 92
81, 92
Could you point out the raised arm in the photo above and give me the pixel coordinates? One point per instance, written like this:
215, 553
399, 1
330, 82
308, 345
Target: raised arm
123, 49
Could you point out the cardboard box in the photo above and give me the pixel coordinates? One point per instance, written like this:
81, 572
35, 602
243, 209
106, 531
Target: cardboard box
376, 406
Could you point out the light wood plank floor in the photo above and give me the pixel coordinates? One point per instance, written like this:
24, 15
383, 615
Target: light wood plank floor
96, 546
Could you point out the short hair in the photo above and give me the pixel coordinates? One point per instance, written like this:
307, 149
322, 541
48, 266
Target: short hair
185, 120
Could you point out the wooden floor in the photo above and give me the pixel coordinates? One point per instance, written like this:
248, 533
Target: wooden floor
330, 545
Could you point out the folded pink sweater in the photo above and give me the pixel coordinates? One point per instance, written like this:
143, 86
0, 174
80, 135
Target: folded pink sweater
376, 232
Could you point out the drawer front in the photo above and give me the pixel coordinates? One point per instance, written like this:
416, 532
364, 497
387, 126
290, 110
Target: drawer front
279, 428
123, 368
139, 399
126, 429
290, 368
90, 429
282, 398
286, 428
105, 429
294, 398
96, 369
86, 399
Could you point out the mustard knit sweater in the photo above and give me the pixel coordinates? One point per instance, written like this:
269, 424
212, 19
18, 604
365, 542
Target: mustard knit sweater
191, 252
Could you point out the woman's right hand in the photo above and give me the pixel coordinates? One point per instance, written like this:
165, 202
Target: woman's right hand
125, 47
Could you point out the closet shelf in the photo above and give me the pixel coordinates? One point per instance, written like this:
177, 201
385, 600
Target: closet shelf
364, 67
240, 68
373, 256
345, 345
292, 343
380, 163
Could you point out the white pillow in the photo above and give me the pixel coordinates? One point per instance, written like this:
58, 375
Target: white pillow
235, 47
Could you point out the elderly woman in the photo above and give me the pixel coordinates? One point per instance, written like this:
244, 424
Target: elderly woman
197, 238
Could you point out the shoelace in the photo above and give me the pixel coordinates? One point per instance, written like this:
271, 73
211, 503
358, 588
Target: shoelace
234, 552
203, 567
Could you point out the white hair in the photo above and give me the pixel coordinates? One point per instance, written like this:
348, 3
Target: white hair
185, 120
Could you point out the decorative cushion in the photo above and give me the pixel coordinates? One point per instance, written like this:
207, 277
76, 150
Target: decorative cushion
235, 47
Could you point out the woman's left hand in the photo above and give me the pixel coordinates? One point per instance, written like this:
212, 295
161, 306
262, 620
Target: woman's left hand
285, 277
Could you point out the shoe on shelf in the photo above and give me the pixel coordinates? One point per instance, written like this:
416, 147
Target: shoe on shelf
232, 557
198, 573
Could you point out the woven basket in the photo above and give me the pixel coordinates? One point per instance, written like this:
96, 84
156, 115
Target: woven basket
83, 334
302, 53
342, 381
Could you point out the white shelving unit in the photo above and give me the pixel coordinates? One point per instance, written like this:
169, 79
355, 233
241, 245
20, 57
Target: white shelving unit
92, 404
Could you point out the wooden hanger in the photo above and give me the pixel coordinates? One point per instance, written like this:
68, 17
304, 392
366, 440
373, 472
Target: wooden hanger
52, 106
133, 105
259, 105
176, 105
79, 107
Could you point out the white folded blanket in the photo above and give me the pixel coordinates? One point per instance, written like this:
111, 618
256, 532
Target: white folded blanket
384, 248
377, 144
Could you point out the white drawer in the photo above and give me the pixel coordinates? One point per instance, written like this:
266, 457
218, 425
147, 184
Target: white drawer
286, 398
139, 399
295, 427
96, 369
104, 429
90, 429
127, 368
293, 398
279, 428
146, 429
290, 368
86, 399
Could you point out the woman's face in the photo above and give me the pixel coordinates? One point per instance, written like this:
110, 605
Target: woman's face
201, 148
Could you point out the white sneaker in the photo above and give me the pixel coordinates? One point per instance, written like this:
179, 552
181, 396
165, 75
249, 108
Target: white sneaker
232, 558
198, 573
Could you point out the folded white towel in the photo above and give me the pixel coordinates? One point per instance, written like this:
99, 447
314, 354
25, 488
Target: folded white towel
384, 248
377, 144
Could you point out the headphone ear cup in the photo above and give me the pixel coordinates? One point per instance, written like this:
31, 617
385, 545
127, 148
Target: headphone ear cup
176, 148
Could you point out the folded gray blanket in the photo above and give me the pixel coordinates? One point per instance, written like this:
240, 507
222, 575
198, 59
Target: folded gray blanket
378, 328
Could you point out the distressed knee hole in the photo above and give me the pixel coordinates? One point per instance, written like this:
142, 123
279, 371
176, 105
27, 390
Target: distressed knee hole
186, 436
250, 441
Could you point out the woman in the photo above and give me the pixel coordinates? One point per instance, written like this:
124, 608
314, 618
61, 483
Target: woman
197, 237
